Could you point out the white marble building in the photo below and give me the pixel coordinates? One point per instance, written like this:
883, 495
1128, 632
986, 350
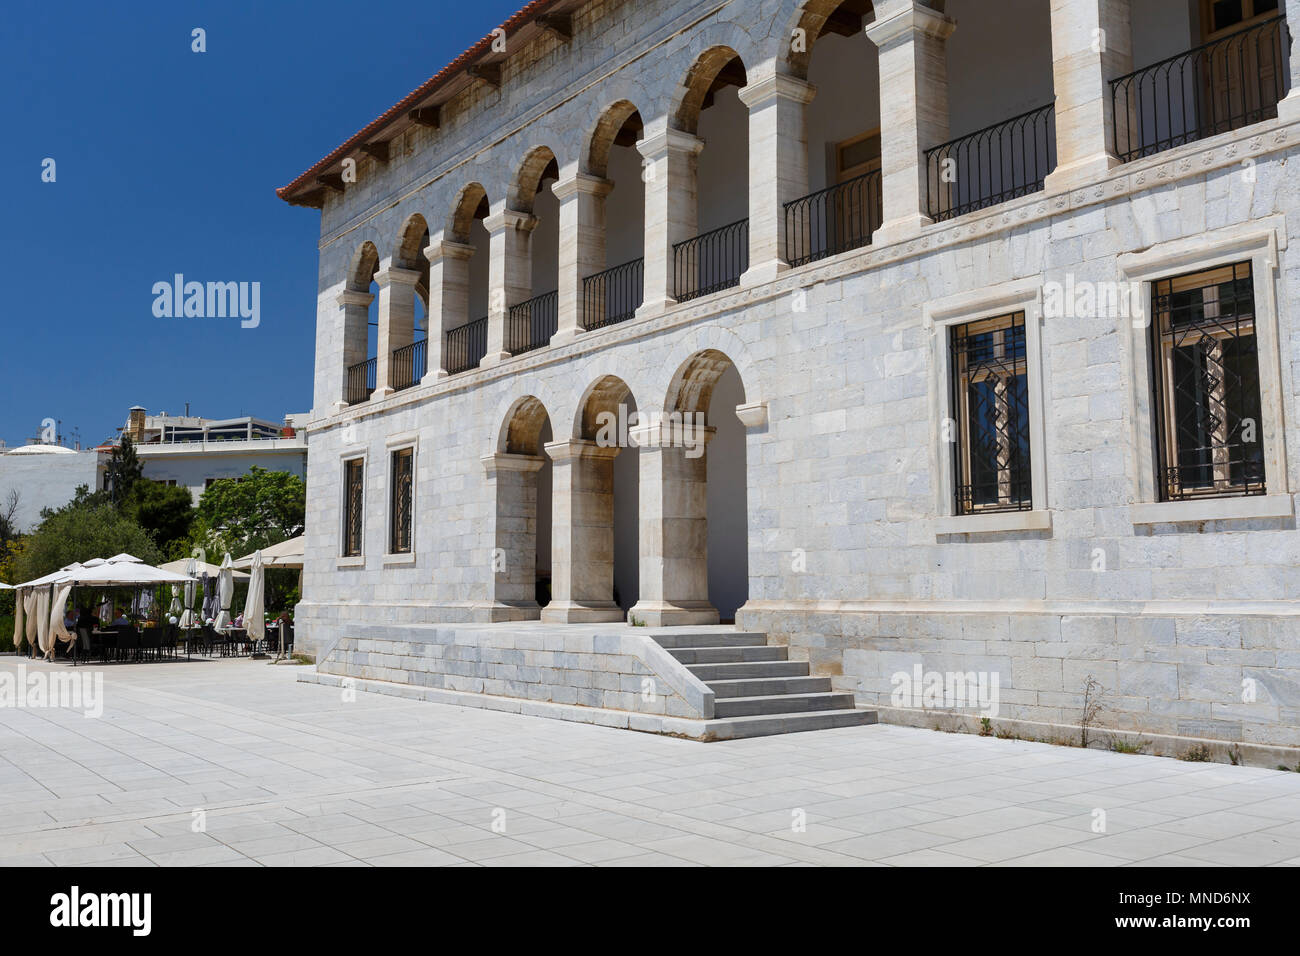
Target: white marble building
983, 312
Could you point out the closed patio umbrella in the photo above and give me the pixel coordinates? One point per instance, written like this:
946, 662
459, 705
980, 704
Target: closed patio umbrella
187, 619
209, 611
254, 605
30, 607
225, 591
20, 626
43, 620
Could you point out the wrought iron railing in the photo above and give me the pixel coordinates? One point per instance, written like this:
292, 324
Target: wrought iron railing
409, 364
361, 381
466, 346
836, 219
613, 295
531, 324
711, 261
991, 165
1222, 85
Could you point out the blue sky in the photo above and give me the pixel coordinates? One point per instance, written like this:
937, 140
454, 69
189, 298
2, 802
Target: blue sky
167, 161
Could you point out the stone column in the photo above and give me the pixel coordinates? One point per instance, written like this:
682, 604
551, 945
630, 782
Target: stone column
778, 164
356, 318
448, 298
582, 533
582, 245
510, 275
1289, 109
514, 558
914, 108
674, 540
396, 321
671, 214
1091, 44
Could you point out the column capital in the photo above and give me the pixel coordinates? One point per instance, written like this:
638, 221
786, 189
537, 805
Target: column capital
504, 461
572, 449
771, 86
671, 431
354, 297
448, 249
395, 275
510, 219
563, 188
752, 414
906, 19
664, 141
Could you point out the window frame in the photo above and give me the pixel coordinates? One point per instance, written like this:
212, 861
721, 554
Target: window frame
940, 317
1258, 242
344, 558
392, 446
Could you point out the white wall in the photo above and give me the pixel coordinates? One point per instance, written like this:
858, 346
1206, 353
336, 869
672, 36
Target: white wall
846, 74
45, 481
545, 242
193, 471
727, 499
624, 207
999, 61
478, 271
723, 176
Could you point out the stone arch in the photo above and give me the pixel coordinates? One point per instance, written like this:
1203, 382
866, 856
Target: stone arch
539, 164
363, 266
691, 388
716, 67
471, 203
602, 396
620, 117
412, 238
522, 427
709, 340
813, 19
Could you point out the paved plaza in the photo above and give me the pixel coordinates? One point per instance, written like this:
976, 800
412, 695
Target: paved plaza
287, 773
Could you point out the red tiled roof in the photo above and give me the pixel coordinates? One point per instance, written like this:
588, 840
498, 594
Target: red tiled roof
523, 17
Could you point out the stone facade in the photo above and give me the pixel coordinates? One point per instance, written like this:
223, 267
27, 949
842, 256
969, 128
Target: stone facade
854, 556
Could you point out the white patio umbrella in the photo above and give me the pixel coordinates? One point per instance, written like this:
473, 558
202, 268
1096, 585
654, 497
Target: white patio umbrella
194, 567
255, 605
6, 587
286, 554
124, 574
174, 609
58, 607
225, 591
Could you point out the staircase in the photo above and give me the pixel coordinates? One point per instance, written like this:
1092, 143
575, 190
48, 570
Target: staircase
757, 689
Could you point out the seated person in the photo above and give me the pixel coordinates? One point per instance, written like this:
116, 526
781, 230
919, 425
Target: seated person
85, 618
121, 620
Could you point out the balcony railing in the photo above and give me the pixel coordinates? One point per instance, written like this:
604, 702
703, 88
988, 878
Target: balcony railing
836, 219
409, 364
614, 295
991, 165
466, 346
711, 261
361, 381
1221, 86
531, 324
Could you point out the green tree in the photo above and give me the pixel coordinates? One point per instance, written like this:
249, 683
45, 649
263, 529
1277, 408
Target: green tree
165, 511
260, 509
84, 528
123, 470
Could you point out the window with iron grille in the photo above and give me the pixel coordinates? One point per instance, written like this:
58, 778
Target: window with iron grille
353, 487
990, 405
399, 531
1205, 368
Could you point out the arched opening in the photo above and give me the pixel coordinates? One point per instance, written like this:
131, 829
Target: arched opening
615, 288
521, 471
466, 340
408, 336
596, 550
715, 255
360, 325
703, 396
830, 49
531, 322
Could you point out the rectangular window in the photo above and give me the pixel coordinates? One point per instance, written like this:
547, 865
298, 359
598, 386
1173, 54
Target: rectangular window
399, 533
353, 486
1205, 370
990, 403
